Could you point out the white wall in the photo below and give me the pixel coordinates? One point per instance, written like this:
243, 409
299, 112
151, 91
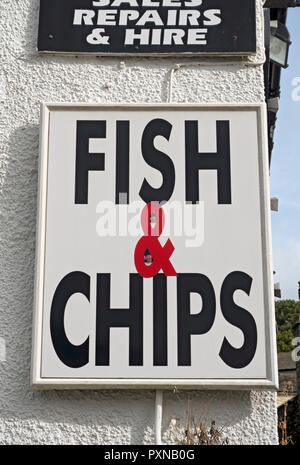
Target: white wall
26, 79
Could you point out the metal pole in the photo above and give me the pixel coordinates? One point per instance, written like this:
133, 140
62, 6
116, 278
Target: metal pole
158, 416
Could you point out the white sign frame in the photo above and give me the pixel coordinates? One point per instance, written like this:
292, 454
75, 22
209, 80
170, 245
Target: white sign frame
271, 381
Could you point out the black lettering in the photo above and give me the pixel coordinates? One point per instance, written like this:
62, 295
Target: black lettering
122, 162
158, 160
160, 324
86, 161
131, 318
219, 161
71, 355
188, 323
239, 317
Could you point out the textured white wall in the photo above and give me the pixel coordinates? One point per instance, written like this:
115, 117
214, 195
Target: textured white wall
26, 79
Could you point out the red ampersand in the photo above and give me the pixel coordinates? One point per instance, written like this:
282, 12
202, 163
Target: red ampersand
159, 254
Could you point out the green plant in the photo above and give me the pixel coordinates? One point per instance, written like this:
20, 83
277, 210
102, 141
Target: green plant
286, 313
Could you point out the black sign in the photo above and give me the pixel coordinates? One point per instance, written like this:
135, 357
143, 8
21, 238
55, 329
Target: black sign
148, 26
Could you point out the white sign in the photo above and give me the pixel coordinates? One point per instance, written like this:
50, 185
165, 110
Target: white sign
153, 254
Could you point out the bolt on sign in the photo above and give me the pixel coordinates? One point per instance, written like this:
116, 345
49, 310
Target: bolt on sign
108, 27
153, 253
